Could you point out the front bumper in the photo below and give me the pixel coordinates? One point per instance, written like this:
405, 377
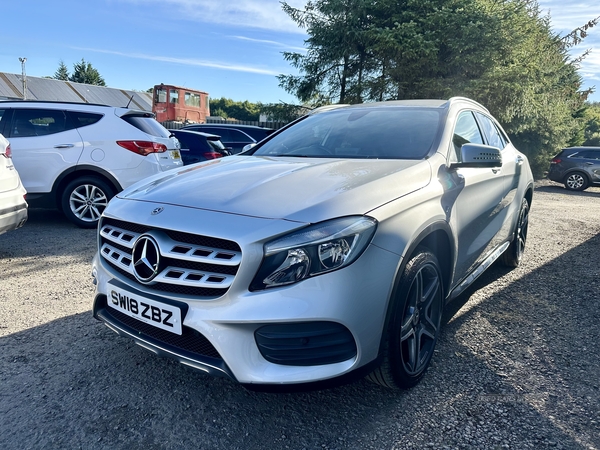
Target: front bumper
220, 335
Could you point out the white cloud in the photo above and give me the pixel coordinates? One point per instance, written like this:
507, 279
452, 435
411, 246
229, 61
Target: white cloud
590, 67
263, 14
567, 15
272, 43
188, 61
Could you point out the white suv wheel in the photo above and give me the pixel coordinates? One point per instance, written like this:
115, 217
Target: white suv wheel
84, 200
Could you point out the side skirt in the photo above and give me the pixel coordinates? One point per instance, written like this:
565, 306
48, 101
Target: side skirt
469, 279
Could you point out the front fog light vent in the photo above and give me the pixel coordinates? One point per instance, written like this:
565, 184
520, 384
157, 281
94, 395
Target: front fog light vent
306, 343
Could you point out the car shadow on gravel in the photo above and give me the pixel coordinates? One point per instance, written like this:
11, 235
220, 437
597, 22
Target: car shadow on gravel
65, 244
531, 346
515, 367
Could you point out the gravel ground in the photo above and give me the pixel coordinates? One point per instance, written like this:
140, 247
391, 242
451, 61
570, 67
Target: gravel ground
517, 366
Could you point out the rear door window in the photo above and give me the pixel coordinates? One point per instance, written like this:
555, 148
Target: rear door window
238, 136
587, 154
39, 122
223, 132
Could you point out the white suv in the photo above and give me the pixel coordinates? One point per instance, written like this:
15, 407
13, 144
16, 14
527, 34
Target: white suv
76, 156
13, 208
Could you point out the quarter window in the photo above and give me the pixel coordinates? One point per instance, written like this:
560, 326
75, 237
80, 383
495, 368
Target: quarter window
466, 131
83, 119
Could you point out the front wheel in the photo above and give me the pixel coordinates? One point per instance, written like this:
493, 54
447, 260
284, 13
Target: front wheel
84, 200
514, 253
414, 323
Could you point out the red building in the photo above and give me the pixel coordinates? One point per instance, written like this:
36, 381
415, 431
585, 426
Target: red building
179, 104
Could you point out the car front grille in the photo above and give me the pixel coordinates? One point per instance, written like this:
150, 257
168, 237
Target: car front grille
189, 264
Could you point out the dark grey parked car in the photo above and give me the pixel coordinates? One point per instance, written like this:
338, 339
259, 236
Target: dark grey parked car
234, 136
577, 167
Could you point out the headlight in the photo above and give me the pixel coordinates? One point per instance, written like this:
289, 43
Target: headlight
314, 250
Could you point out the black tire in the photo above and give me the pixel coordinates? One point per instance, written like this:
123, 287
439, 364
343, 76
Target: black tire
84, 199
576, 181
414, 323
514, 253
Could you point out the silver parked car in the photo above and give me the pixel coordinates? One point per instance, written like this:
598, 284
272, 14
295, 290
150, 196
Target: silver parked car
13, 207
329, 249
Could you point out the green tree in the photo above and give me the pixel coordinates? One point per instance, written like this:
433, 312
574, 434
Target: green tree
503, 54
62, 73
84, 72
227, 108
282, 112
591, 131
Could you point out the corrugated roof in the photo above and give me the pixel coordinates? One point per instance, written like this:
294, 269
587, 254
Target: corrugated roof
11, 88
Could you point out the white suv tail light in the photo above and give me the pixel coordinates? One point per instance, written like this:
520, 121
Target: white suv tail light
7, 153
143, 148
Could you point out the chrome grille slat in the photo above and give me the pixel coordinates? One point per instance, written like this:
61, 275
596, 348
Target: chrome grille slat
162, 277
188, 266
107, 251
119, 236
214, 257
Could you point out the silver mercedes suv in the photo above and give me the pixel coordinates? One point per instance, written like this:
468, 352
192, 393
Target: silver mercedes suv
330, 249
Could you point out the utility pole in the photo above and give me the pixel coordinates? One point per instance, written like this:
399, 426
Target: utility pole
24, 77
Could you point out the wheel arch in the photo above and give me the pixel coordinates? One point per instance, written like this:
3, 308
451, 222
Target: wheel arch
437, 238
81, 171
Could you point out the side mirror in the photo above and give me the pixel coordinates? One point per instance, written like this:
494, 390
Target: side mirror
478, 156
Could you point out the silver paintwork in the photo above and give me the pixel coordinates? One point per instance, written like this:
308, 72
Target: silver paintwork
253, 200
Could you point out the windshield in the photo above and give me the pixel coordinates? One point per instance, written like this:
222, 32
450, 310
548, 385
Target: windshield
385, 132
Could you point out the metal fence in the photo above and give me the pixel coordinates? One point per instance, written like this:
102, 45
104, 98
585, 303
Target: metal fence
275, 125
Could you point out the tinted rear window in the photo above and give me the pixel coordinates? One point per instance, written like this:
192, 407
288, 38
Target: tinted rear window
147, 124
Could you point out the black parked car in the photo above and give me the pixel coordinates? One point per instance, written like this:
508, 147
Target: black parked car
197, 146
234, 136
577, 167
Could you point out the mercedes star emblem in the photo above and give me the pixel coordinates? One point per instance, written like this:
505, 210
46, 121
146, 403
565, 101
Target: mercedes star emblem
146, 258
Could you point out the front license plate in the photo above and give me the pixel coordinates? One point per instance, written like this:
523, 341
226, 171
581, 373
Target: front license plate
175, 154
160, 315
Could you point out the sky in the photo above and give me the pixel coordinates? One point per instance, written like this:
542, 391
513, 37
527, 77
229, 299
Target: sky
229, 49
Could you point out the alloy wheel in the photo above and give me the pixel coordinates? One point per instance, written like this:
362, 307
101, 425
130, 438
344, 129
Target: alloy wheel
421, 319
87, 202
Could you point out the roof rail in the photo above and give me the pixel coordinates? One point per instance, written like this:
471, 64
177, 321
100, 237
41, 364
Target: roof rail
468, 100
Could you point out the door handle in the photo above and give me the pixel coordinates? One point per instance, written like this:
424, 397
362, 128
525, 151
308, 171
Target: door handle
64, 146
495, 171
589, 163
